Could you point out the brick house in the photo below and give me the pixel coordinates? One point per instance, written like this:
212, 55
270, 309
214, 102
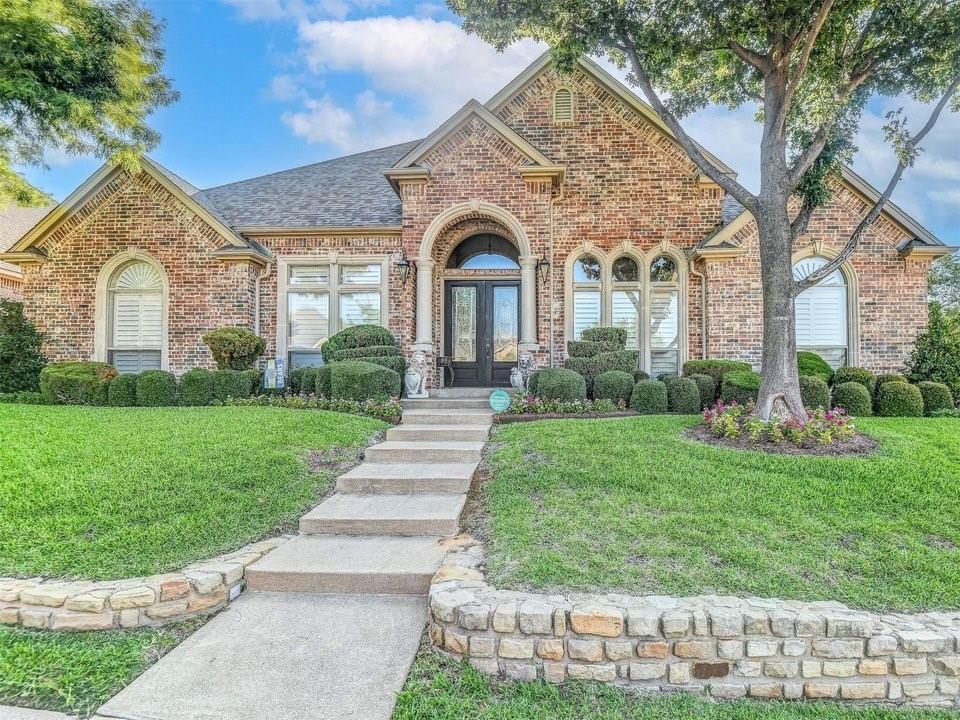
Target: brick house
560, 204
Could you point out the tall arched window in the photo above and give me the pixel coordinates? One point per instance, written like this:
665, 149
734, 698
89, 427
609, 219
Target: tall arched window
135, 317
587, 294
821, 313
626, 304
664, 316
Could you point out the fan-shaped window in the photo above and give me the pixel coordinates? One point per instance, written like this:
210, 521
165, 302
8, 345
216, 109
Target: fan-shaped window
136, 306
626, 305
821, 313
485, 252
587, 294
563, 105
664, 316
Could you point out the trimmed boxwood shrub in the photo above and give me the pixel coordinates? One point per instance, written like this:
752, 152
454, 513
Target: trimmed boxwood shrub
234, 348
614, 335
196, 387
639, 375
742, 386
156, 388
358, 380
357, 336
649, 397
396, 363
308, 380
293, 380
361, 353
590, 367
76, 383
814, 392
560, 384
899, 399
715, 368
809, 364
885, 378
532, 382
22, 397
123, 391
707, 387
613, 385
683, 396
589, 348
936, 396
852, 397
255, 380
322, 381
232, 384
855, 374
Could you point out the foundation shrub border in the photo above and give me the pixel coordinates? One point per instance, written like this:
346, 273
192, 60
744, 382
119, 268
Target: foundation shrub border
156, 388
741, 386
715, 368
123, 391
899, 399
649, 397
77, 383
814, 392
707, 387
196, 387
936, 396
683, 396
855, 374
853, 397
359, 380
616, 385
560, 384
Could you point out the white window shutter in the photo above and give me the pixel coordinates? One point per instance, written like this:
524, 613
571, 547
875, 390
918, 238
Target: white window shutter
586, 311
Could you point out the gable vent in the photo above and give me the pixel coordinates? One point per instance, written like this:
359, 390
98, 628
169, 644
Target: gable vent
563, 106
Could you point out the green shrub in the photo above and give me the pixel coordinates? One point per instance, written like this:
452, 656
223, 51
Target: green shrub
396, 363
23, 397
308, 380
809, 364
649, 397
707, 387
936, 396
322, 383
614, 335
123, 391
589, 348
741, 386
254, 379
20, 357
532, 382
951, 413
683, 396
852, 397
715, 368
936, 354
294, 380
156, 388
362, 353
232, 384
899, 399
815, 392
590, 367
357, 336
613, 385
560, 384
76, 383
196, 387
358, 380
855, 374
639, 375
234, 348
885, 378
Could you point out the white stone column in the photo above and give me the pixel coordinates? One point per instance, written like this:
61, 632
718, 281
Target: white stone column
528, 302
424, 339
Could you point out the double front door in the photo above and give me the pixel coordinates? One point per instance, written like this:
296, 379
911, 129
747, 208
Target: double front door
481, 331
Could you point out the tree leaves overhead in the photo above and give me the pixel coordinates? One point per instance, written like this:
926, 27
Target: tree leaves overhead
79, 76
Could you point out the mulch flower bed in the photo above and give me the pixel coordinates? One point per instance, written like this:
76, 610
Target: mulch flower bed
859, 444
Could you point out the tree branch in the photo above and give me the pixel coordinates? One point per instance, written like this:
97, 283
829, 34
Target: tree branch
743, 196
877, 208
799, 225
811, 39
757, 60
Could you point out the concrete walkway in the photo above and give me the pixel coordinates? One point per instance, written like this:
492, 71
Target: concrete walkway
8, 712
332, 619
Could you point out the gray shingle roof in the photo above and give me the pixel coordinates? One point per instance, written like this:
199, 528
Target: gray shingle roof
15, 221
731, 208
348, 191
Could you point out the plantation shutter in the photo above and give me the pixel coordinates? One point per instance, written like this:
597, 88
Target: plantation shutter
664, 331
136, 331
820, 313
586, 311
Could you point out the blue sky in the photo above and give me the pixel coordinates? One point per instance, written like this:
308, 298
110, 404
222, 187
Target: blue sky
271, 84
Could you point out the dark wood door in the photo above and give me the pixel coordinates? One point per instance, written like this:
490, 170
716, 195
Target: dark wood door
482, 330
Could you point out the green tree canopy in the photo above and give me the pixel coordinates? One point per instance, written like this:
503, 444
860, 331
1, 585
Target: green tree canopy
945, 283
76, 75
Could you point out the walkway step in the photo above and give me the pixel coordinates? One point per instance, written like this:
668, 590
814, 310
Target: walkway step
407, 477
451, 433
343, 564
395, 451
459, 393
352, 514
446, 404
433, 416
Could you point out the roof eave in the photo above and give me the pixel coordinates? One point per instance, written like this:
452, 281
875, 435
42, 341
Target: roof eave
337, 230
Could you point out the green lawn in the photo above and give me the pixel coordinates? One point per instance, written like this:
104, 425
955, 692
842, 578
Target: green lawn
438, 689
629, 504
106, 493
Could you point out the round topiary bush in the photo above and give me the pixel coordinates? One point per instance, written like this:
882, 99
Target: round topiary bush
123, 391
883, 379
560, 384
639, 375
815, 392
741, 386
707, 387
234, 348
649, 397
899, 399
196, 387
936, 396
76, 383
590, 367
232, 384
852, 397
809, 364
358, 380
359, 353
156, 388
715, 368
683, 396
855, 374
357, 336
613, 385
616, 336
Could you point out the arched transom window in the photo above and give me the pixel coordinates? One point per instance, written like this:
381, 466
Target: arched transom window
135, 328
821, 313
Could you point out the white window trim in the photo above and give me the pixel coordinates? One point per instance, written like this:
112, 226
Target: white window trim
104, 311
853, 298
334, 261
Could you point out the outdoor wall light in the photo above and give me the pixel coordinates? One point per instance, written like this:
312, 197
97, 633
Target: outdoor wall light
403, 265
543, 265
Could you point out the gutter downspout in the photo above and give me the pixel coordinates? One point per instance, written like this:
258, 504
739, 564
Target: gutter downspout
261, 276
703, 307
553, 201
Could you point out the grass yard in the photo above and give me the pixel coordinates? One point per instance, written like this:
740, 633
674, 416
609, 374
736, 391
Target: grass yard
77, 672
630, 505
106, 493
439, 689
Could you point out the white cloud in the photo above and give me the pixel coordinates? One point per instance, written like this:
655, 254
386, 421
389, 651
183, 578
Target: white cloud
371, 122
285, 87
274, 10
321, 121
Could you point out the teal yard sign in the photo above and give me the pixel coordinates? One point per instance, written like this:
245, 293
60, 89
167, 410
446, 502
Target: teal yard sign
499, 400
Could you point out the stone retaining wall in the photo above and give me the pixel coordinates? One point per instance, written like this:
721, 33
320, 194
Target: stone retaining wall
725, 647
200, 588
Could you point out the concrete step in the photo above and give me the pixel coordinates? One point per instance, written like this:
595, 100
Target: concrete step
447, 404
342, 564
434, 416
395, 451
459, 393
380, 514
408, 478
453, 433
